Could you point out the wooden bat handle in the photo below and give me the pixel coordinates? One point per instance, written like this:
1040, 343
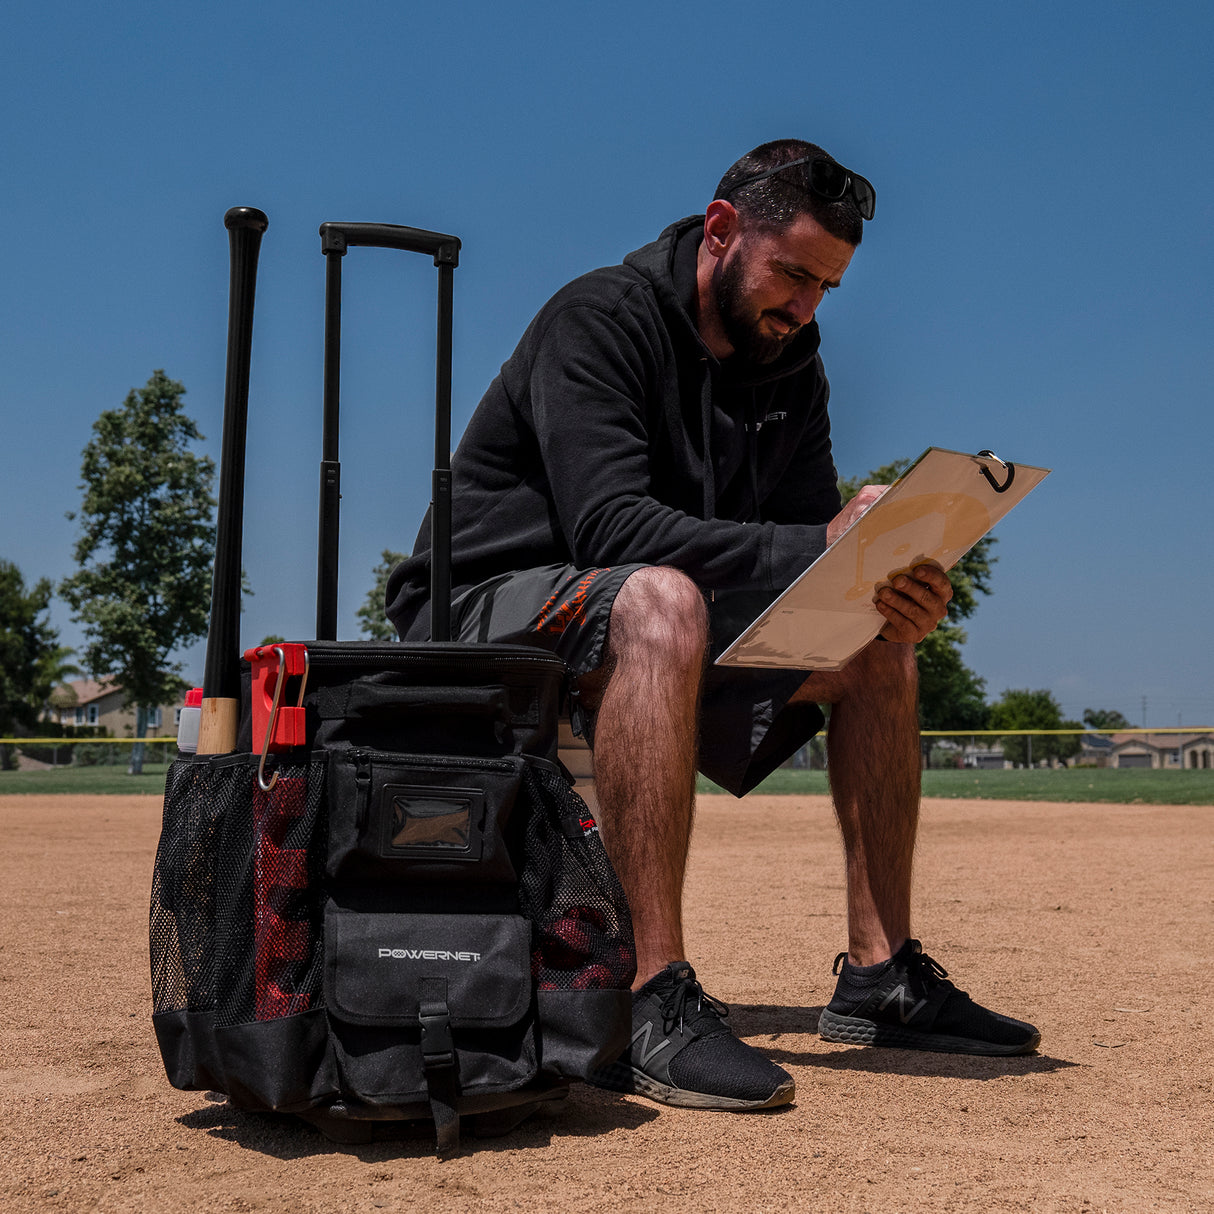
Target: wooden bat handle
217, 726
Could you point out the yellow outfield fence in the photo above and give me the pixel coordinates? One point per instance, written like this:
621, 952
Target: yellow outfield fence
1094, 733
1190, 750
923, 733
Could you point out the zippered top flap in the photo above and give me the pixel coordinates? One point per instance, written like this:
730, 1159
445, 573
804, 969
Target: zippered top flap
529, 675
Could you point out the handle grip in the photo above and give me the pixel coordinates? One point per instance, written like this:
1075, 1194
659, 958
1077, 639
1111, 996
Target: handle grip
336, 237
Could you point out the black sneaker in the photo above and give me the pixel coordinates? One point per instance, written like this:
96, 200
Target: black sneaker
909, 1004
684, 1053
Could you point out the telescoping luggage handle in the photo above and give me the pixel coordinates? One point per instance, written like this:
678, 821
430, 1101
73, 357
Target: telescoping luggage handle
246, 225
335, 238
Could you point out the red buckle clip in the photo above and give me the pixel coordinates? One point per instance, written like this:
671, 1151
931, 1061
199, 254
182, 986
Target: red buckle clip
281, 728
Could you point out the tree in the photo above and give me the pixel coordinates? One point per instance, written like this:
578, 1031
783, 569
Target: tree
373, 622
32, 662
1024, 709
145, 548
951, 696
1104, 719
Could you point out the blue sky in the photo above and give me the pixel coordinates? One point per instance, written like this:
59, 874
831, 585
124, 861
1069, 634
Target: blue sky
1037, 279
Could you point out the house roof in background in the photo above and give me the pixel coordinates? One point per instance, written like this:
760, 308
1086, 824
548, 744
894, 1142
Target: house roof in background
82, 691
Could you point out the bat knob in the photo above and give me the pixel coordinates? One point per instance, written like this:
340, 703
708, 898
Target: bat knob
246, 217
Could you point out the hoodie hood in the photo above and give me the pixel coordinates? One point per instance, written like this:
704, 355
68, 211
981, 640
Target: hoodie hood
729, 415
669, 263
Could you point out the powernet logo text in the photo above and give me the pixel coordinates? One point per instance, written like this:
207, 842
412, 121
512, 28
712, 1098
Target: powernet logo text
426, 954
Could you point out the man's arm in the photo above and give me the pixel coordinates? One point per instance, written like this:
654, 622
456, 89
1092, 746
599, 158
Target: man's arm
593, 393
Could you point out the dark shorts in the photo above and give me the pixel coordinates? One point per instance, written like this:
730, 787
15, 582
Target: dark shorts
747, 725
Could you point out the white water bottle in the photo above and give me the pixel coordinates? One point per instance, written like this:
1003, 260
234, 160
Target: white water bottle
189, 722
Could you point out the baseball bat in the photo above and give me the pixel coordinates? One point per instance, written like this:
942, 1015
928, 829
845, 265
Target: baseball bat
221, 673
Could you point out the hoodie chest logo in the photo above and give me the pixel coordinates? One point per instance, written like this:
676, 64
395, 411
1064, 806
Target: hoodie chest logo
771, 417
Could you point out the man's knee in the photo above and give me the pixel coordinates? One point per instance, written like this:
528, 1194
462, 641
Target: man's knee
659, 612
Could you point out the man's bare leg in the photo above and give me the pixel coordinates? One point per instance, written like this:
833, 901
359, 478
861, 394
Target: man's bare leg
873, 760
645, 751
873, 747
682, 1050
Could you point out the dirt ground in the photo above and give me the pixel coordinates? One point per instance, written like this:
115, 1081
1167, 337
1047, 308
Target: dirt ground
1093, 921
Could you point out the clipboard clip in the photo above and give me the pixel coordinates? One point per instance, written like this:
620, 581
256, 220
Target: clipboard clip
985, 459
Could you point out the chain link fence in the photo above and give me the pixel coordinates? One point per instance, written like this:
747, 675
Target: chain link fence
37, 754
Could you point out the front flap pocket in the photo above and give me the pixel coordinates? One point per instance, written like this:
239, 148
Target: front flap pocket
376, 965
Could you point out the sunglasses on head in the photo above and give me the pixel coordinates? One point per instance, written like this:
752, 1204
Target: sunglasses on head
827, 179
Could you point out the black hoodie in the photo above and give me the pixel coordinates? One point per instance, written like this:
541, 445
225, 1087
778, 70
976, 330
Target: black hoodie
589, 448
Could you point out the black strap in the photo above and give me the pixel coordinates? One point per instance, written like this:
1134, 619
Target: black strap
438, 1063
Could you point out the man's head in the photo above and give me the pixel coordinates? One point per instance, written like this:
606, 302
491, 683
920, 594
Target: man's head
776, 240
778, 181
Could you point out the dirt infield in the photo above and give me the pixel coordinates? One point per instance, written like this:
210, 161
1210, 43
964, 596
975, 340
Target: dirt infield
1093, 921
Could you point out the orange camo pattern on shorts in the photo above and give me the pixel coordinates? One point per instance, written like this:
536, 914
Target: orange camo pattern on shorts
556, 618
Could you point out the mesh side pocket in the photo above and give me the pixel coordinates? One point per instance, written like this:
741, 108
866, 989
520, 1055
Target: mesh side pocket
270, 901
581, 929
198, 800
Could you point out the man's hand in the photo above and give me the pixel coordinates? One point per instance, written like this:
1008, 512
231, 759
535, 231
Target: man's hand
852, 511
914, 604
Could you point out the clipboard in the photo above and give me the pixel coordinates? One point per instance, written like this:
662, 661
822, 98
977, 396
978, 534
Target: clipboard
933, 514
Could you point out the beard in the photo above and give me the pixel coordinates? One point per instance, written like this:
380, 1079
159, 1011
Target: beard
751, 345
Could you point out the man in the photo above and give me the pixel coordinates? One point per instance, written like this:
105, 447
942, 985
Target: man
652, 465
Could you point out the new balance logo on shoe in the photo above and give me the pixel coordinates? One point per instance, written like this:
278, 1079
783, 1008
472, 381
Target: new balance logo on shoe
642, 1035
426, 954
899, 993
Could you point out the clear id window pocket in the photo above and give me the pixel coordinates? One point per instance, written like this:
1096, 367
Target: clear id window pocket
432, 822
421, 818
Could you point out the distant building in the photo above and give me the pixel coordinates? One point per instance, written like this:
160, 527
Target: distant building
100, 704
1176, 751
1095, 750
985, 758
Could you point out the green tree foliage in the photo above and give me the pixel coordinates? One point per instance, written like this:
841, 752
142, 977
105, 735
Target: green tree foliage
32, 662
951, 696
372, 621
1104, 719
1024, 709
145, 546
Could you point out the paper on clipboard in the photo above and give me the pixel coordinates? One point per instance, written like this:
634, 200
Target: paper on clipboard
933, 514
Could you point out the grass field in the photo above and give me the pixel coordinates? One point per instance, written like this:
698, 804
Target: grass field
64, 781
1073, 784
1129, 786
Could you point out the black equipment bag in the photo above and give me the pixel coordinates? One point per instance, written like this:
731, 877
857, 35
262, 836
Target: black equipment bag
386, 902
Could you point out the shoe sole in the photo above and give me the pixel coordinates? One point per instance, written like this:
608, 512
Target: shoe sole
618, 1078
852, 1030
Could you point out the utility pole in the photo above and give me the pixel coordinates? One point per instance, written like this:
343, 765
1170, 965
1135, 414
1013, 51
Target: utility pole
1144, 712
